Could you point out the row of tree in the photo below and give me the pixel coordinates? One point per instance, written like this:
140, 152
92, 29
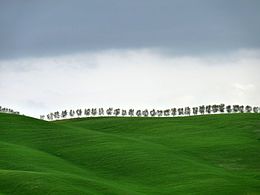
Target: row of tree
187, 111
8, 110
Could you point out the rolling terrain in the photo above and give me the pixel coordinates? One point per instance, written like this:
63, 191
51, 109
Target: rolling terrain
211, 154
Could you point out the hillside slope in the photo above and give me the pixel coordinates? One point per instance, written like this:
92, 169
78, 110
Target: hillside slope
215, 154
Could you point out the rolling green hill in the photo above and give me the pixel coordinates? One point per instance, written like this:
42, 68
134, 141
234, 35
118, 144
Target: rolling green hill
214, 154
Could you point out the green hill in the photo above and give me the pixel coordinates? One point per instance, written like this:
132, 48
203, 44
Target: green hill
214, 154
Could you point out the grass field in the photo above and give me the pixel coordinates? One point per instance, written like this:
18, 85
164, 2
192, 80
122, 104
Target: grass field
214, 154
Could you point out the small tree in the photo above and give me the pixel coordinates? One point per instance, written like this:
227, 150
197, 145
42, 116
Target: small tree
215, 108
248, 109
159, 112
222, 108
93, 111
241, 109
166, 112
87, 112
180, 111
124, 112
145, 113
173, 111
202, 109
187, 111
109, 111
131, 112
152, 112
64, 114
79, 112
138, 113
117, 112
228, 109
195, 110
235, 108
208, 109
256, 109
101, 111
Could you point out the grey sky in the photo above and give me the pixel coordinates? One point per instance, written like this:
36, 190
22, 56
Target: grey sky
49, 28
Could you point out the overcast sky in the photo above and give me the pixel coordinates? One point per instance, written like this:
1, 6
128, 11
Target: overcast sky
57, 55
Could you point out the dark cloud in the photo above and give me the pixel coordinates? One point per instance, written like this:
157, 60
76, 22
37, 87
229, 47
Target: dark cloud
44, 28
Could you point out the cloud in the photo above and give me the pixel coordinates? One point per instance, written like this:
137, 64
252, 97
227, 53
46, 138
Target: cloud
48, 28
129, 78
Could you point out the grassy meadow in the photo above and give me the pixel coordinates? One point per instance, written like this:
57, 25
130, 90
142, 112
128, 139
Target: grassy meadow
211, 154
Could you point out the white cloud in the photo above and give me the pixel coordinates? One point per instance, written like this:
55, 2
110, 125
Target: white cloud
129, 78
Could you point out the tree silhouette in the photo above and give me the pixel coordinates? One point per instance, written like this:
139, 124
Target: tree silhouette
202, 109
117, 112
248, 108
180, 111
152, 112
159, 112
195, 110
64, 114
222, 107
131, 112
228, 109
101, 111
145, 113
173, 111
109, 111
124, 112
138, 113
215, 108
256, 109
93, 111
79, 112
187, 111
208, 109
87, 112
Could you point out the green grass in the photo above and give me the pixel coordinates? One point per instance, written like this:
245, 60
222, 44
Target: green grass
215, 154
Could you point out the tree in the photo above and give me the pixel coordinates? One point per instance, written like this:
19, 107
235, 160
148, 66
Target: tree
87, 112
208, 109
235, 108
180, 111
94, 111
100, 111
202, 109
56, 115
228, 109
79, 112
248, 109
145, 113
64, 114
215, 108
195, 110
109, 111
166, 112
159, 112
72, 113
173, 111
152, 112
187, 111
124, 112
117, 112
138, 113
256, 109
50, 116
222, 108
241, 109
131, 112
